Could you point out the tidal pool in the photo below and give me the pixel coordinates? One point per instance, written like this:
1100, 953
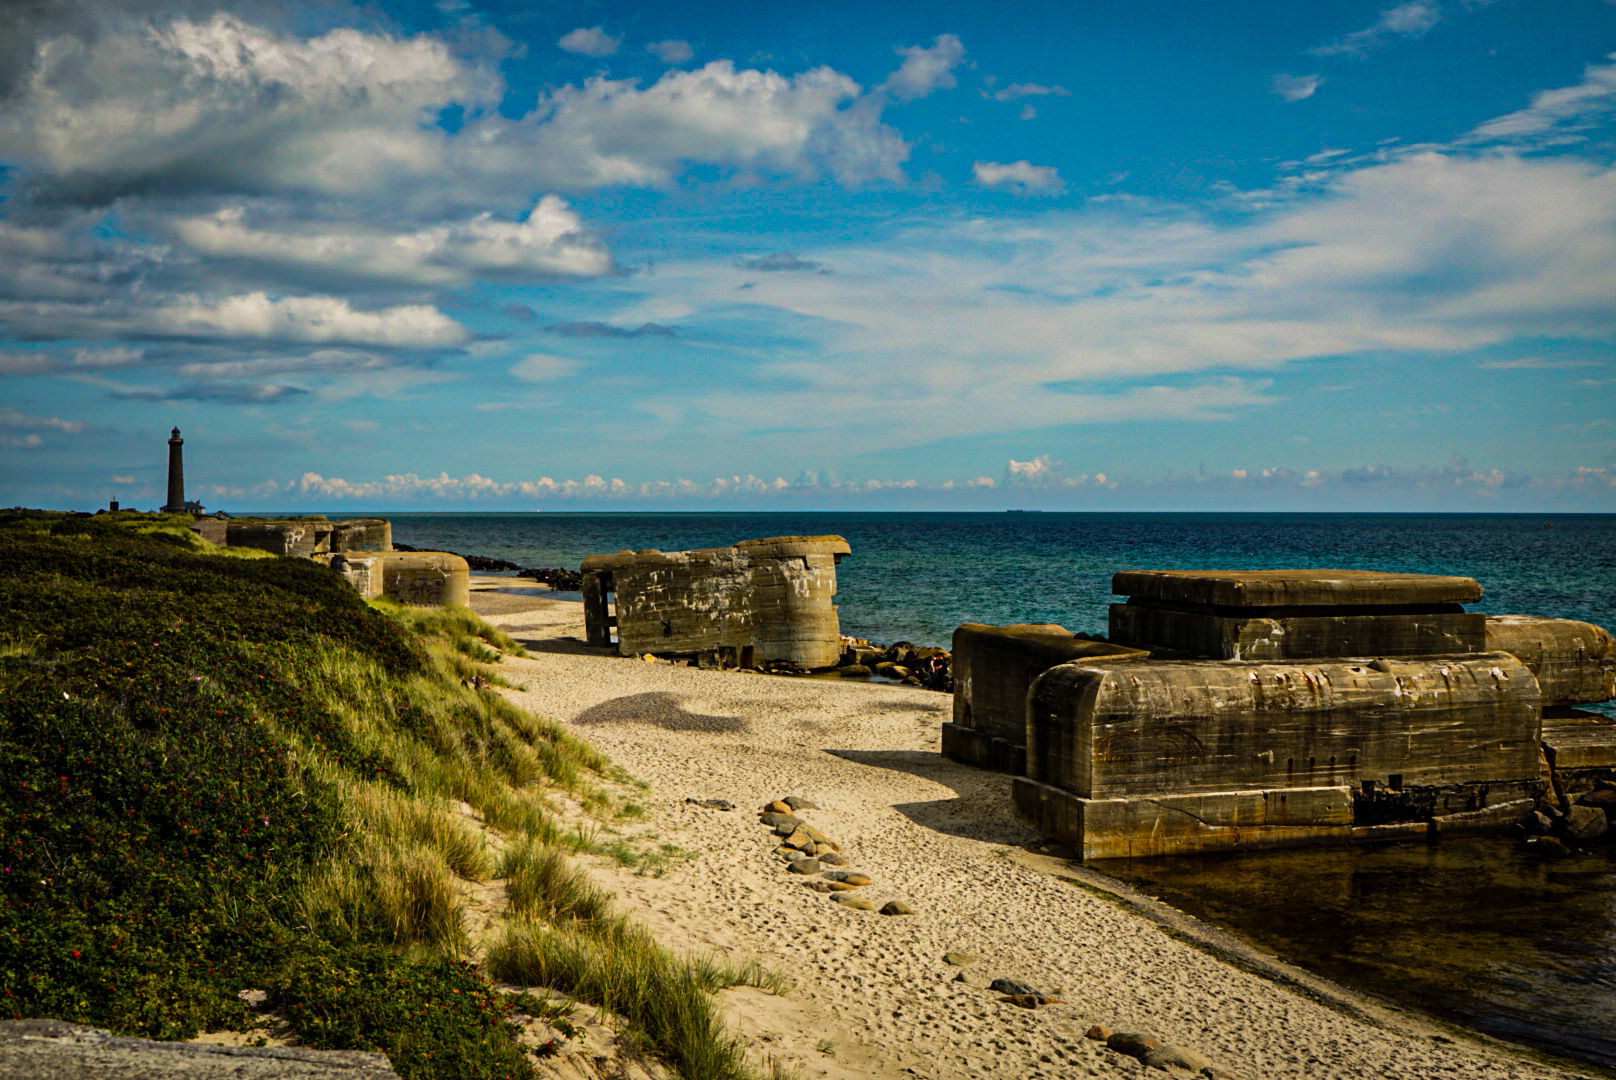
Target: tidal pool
1476, 931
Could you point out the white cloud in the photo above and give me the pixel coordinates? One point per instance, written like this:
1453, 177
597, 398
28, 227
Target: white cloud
224, 104
590, 41
14, 418
1407, 20
672, 51
925, 70
1565, 111
1016, 91
543, 367
314, 319
552, 241
1021, 176
1296, 87
611, 132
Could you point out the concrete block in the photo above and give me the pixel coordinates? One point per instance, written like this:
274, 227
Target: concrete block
419, 578
760, 601
1294, 588
1582, 740
1241, 637
993, 667
1575, 662
296, 538
1153, 726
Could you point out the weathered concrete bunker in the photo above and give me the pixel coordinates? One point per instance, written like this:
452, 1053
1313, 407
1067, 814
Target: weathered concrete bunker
759, 602
1234, 710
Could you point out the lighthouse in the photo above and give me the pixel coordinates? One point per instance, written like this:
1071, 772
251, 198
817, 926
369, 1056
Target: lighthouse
176, 474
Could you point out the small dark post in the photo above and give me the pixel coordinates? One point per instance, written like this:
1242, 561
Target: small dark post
176, 474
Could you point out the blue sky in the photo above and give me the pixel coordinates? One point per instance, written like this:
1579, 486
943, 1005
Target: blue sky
418, 255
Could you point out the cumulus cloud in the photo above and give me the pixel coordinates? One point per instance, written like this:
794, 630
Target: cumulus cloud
313, 319
1296, 87
16, 418
672, 51
1019, 176
611, 132
551, 242
926, 69
1407, 20
590, 41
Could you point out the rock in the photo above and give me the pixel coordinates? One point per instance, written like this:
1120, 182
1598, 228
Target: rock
804, 866
838, 886
847, 899
831, 858
1550, 847
778, 821
1098, 1032
821, 886
900, 672
1602, 798
800, 840
1536, 823
779, 806
1026, 1001
892, 907
1176, 1057
958, 959
1011, 988
815, 835
852, 877
828, 847
884, 669
797, 802
712, 804
790, 854
1585, 822
853, 671
1133, 1043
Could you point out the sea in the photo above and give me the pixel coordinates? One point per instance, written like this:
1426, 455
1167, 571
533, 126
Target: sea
1475, 931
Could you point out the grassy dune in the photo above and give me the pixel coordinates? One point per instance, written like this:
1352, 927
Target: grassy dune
222, 771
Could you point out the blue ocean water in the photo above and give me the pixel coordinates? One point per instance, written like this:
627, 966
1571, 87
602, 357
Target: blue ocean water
1475, 930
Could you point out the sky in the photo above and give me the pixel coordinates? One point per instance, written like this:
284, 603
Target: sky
464, 255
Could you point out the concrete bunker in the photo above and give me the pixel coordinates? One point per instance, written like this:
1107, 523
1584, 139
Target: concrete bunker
1243, 710
760, 602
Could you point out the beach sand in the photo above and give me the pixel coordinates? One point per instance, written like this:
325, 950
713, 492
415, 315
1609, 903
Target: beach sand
873, 995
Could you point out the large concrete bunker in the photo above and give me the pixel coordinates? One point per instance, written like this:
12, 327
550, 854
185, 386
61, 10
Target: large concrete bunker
759, 602
1236, 710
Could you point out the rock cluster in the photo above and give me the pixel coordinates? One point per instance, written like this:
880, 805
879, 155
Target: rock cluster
809, 853
1154, 1052
557, 577
905, 662
1556, 834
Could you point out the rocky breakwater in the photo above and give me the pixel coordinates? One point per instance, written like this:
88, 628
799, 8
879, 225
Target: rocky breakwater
1563, 831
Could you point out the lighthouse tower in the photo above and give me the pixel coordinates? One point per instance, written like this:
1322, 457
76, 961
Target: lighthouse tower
176, 474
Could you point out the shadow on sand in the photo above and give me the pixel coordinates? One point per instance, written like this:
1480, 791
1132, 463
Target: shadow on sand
980, 809
659, 709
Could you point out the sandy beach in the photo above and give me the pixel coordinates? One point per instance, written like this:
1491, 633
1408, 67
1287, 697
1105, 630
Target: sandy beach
874, 996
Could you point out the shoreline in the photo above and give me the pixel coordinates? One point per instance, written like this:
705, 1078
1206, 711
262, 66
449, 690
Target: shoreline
939, 837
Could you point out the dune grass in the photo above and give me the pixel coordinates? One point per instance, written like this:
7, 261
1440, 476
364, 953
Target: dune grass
222, 771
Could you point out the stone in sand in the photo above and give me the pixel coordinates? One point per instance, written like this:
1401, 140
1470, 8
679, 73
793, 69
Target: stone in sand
831, 858
958, 959
1011, 988
847, 899
820, 886
1176, 1057
827, 847
1025, 1001
854, 671
778, 821
1098, 1032
838, 886
797, 802
779, 806
804, 866
712, 804
790, 854
892, 907
1134, 1043
801, 841
852, 877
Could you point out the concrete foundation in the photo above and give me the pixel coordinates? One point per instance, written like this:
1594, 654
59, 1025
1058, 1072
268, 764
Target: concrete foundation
760, 602
1575, 662
418, 578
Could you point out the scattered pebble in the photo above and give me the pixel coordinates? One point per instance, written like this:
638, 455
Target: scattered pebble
958, 959
892, 907
847, 899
